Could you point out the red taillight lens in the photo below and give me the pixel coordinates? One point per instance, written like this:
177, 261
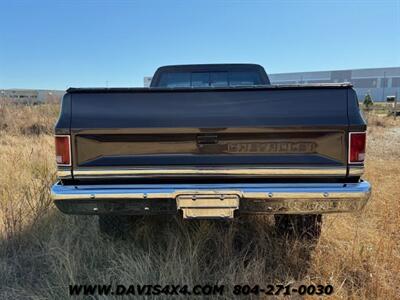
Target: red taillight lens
357, 147
63, 150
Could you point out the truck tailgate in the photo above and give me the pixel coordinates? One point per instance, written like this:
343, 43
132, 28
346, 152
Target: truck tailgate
203, 132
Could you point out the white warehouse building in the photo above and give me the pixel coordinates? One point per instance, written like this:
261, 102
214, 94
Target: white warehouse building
378, 82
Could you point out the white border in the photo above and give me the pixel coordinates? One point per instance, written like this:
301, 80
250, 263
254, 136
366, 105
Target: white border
69, 148
348, 146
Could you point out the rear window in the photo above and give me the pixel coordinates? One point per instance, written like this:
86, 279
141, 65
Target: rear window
219, 79
200, 79
209, 79
244, 78
175, 80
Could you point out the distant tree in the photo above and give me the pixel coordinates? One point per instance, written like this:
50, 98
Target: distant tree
368, 102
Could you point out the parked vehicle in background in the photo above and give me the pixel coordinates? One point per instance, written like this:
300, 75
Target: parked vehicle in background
211, 141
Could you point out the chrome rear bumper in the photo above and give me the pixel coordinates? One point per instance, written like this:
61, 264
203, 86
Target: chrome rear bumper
268, 198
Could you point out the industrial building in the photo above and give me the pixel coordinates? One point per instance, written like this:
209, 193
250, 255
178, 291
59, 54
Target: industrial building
30, 95
18, 95
378, 82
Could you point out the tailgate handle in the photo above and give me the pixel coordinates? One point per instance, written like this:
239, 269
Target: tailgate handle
207, 139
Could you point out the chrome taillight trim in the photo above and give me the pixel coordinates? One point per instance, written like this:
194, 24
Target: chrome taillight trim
349, 147
69, 150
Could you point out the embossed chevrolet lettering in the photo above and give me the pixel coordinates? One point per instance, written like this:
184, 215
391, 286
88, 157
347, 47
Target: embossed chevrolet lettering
273, 147
211, 141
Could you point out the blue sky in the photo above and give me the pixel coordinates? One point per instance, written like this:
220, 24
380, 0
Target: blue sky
58, 44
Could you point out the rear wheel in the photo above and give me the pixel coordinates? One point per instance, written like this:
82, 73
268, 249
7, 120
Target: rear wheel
304, 226
116, 226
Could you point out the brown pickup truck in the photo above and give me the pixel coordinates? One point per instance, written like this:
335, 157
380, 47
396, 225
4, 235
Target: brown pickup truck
211, 141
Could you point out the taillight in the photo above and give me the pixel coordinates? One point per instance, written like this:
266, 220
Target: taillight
357, 147
63, 150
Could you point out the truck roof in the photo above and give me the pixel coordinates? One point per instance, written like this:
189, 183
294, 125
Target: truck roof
211, 67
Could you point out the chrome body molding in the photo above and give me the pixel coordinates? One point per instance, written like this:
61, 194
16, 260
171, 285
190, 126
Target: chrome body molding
253, 197
63, 173
356, 171
82, 173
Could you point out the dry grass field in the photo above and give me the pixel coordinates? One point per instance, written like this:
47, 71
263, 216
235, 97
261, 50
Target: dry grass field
43, 251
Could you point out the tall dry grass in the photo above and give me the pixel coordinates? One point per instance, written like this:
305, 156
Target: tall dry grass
43, 251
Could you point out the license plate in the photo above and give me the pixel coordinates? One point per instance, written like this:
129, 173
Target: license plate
207, 206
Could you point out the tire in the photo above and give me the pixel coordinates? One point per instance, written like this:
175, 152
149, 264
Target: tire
115, 226
303, 226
